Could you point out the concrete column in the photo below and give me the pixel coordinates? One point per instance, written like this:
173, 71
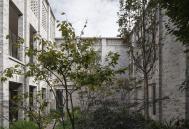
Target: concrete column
5, 121
26, 45
5, 53
103, 42
1, 61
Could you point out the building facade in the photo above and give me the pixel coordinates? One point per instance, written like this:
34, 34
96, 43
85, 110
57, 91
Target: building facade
21, 19
168, 95
104, 45
25, 18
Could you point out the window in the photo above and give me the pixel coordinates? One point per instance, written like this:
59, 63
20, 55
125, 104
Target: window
31, 99
154, 98
43, 93
59, 101
31, 96
14, 18
13, 102
32, 43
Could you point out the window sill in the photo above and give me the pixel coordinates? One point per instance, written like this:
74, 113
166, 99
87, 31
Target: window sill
16, 60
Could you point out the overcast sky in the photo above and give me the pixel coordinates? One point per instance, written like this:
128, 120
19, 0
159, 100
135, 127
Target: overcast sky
100, 14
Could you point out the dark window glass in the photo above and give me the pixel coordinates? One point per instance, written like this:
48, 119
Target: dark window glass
14, 15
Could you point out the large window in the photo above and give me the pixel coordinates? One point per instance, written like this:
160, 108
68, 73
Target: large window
32, 43
153, 85
14, 89
14, 17
31, 96
59, 100
31, 99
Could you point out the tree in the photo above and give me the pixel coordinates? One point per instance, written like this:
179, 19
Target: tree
138, 26
178, 14
35, 111
72, 60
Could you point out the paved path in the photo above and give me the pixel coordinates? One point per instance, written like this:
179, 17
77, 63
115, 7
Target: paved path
50, 126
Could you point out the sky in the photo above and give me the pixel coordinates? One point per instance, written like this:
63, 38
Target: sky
101, 16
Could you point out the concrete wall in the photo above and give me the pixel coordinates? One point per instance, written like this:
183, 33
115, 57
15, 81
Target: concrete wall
103, 46
171, 68
27, 19
173, 75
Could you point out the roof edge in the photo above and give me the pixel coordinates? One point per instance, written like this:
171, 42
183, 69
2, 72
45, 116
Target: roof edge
60, 38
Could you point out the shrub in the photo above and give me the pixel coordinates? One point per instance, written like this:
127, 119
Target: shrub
106, 118
23, 125
181, 124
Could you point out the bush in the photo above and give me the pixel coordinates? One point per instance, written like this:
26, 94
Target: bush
172, 124
106, 118
23, 125
67, 125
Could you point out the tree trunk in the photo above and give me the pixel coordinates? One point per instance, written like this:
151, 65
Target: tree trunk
67, 103
72, 107
146, 97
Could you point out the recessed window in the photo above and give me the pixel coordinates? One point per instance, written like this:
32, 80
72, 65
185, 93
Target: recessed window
32, 43
31, 95
154, 98
14, 24
59, 100
43, 93
14, 91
